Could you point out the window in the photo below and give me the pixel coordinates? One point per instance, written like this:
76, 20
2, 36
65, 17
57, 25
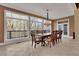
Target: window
32, 25
39, 24
65, 29
17, 25
36, 24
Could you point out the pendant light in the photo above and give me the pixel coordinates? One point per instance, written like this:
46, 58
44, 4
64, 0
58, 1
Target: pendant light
47, 15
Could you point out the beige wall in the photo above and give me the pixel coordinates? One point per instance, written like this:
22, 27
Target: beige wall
71, 24
54, 25
77, 24
1, 24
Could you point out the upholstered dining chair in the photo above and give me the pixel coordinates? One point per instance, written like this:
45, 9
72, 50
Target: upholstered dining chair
35, 39
52, 39
59, 37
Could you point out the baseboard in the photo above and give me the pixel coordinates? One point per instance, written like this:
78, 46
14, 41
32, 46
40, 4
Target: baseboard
1, 44
71, 37
14, 42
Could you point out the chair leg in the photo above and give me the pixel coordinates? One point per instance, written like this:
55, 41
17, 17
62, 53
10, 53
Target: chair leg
53, 42
32, 43
35, 45
41, 43
50, 44
61, 40
56, 41
44, 43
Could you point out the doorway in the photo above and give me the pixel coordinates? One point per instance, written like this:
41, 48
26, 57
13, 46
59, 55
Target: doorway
65, 28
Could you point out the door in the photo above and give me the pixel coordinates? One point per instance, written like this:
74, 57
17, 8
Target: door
60, 27
64, 28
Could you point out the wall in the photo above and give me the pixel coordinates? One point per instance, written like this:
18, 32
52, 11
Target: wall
54, 25
71, 24
77, 24
1, 24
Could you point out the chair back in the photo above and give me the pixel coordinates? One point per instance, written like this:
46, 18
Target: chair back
54, 35
33, 36
60, 34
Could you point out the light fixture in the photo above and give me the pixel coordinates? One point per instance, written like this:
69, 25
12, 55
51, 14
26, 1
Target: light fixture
47, 22
47, 15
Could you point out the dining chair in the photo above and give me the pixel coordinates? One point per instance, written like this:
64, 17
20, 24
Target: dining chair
35, 39
59, 36
52, 39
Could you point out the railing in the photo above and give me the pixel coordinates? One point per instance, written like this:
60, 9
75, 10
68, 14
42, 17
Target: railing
16, 34
22, 33
40, 31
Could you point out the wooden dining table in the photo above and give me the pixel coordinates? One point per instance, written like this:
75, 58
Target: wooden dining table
43, 36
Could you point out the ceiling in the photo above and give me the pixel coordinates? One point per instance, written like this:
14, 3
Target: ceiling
56, 10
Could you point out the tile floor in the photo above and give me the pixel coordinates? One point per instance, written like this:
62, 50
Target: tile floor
68, 47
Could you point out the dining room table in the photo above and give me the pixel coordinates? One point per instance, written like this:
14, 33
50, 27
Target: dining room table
43, 36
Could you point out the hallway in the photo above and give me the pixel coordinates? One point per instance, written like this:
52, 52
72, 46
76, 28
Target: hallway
68, 47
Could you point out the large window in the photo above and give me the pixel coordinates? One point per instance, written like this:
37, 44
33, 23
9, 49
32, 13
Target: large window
32, 23
39, 24
20, 25
36, 24
17, 25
